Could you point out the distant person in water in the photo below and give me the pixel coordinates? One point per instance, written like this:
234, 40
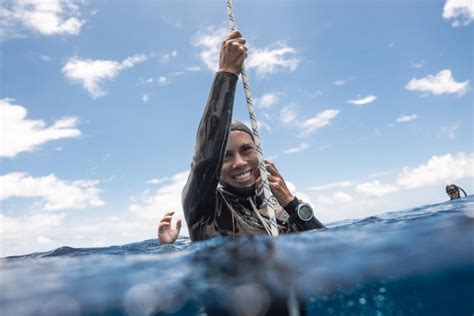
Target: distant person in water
454, 191
222, 195
166, 233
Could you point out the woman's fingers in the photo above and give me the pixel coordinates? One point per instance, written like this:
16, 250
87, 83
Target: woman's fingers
234, 34
166, 219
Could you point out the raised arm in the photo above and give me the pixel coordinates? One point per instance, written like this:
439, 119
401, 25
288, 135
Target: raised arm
199, 194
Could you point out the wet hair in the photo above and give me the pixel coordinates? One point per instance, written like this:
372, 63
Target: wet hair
451, 187
239, 126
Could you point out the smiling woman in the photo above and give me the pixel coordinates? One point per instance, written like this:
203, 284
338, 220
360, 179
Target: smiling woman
223, 193
86, 101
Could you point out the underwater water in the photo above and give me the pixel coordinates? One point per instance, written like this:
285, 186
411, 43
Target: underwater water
414, 262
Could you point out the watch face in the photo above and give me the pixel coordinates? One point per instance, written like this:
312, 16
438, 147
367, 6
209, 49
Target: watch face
305, 212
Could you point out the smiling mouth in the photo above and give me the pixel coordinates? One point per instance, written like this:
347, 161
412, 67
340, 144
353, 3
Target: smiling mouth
243, 176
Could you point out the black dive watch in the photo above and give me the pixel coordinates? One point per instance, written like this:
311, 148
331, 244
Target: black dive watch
304, 211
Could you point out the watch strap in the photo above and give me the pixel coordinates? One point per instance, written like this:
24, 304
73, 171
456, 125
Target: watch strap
290, 208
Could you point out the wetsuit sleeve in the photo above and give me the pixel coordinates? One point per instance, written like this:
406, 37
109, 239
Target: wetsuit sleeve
199, 194
298, 225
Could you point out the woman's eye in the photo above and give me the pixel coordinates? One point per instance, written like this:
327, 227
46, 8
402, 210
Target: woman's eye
248, 150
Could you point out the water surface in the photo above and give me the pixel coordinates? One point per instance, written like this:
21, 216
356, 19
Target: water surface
414, 262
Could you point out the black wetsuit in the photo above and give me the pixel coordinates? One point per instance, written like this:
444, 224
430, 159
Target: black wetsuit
210, 208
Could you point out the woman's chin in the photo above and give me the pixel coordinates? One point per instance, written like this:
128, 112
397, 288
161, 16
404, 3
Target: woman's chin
243, 184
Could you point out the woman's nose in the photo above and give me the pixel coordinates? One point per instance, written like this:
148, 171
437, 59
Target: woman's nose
238, 161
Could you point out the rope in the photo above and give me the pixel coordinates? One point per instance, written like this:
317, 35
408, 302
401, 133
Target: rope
269, 199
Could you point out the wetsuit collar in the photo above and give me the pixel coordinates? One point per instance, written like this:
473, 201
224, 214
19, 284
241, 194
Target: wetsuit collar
243, 193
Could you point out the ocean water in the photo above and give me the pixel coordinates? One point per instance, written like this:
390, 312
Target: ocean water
414, 262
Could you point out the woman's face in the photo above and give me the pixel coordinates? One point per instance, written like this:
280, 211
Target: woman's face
240, 168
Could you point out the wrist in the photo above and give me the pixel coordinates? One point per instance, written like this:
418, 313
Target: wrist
233, 71
291, 206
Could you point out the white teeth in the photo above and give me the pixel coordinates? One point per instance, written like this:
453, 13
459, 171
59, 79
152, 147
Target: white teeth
242, 176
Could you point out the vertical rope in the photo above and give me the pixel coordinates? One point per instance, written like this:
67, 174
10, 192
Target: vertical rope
269, 199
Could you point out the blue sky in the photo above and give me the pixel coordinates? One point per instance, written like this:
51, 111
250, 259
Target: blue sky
364, 106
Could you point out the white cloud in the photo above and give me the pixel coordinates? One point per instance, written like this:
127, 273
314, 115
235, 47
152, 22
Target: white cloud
267, 100
272, 59
439, 170
145, 98
296, 149
36, 227
162, 81
55, 193
320, 120
157, 180
287, 115
166, 58
272, 158
263, 125
339, 82
341, 197
442, 83
324, 200
264, 61
379, 174
376, 188
52, 17
152, 205
193, 68
177, 73
20, 134
302, 196
461, 12
43, 240
336, 198
417, 65
143, 216
92, 73
209, 42
450, 130
45, 58
338, 184
143, 81
362, 101
406, 118
41, 223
